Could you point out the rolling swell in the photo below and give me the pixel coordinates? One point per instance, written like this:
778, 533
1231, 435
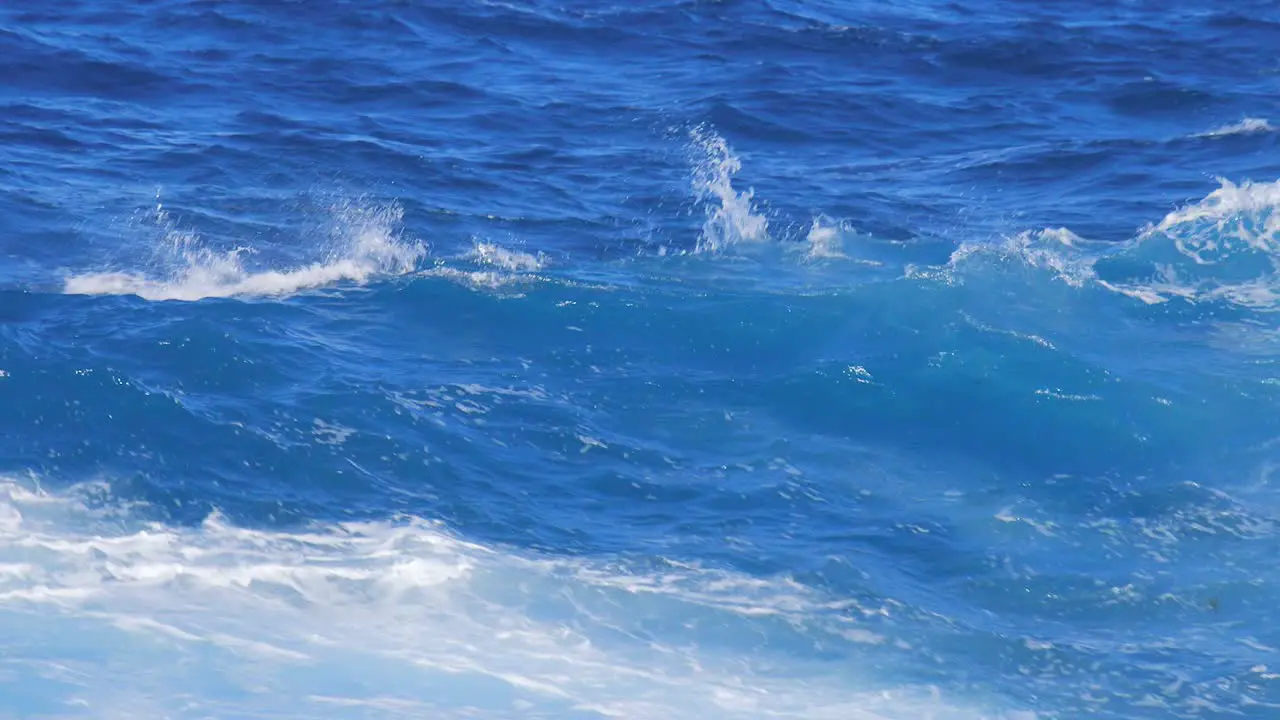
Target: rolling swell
508, 359
886, 359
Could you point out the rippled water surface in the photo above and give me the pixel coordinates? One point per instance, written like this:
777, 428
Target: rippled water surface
673, 359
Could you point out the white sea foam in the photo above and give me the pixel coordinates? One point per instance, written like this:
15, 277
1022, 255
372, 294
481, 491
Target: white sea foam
331, 433
1057, 250
390, 619
1223, 248
1245, 211
731, 216
479, 279
505, 259
824, 240
501, 267
1244, 127
365, 243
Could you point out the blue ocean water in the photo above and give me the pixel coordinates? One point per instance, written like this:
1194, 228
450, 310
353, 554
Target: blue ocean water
671, 359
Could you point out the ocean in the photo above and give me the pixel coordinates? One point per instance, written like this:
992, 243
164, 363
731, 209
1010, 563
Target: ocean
664, 359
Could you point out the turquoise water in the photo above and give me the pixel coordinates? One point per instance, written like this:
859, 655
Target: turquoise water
682, 359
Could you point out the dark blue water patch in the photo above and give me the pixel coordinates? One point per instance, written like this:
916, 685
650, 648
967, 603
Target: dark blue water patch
505, 266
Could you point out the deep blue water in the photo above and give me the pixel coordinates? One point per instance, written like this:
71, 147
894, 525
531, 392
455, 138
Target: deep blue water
674, 359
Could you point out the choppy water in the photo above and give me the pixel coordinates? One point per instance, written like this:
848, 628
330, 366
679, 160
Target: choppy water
678, 359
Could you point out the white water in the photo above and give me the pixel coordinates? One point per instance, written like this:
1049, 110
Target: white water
366, 244
108, 614
512, 260
1246, 126
499, 267
1245, 210
731, 216
1222, 248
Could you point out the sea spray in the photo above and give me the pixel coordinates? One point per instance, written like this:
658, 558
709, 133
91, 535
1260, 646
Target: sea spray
365, 241
731, 215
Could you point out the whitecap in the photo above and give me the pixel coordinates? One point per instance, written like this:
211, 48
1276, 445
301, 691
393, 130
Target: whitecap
1235, 204
222, 620
1244, 127
512, 260
731, 215
1222, 248
824, 240
1057, 250
366, 243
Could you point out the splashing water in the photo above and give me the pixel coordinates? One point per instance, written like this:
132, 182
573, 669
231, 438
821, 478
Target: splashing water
731, 216
823, 240
1223, 248
660, 419
1244, 127
1245, 212
365, 242
505, 259
1055, 249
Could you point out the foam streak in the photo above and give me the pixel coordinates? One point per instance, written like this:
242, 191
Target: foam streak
389, 617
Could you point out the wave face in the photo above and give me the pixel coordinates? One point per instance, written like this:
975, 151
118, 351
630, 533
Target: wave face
660, 360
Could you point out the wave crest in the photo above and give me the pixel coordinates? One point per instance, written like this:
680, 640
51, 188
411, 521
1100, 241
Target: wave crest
731, 216
365, 242
1223, 248
1244, 127
497, 256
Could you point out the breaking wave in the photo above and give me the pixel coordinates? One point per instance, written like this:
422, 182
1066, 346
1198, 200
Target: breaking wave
731, 216
396, 616
1223, 248
1244, 127
366, 242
